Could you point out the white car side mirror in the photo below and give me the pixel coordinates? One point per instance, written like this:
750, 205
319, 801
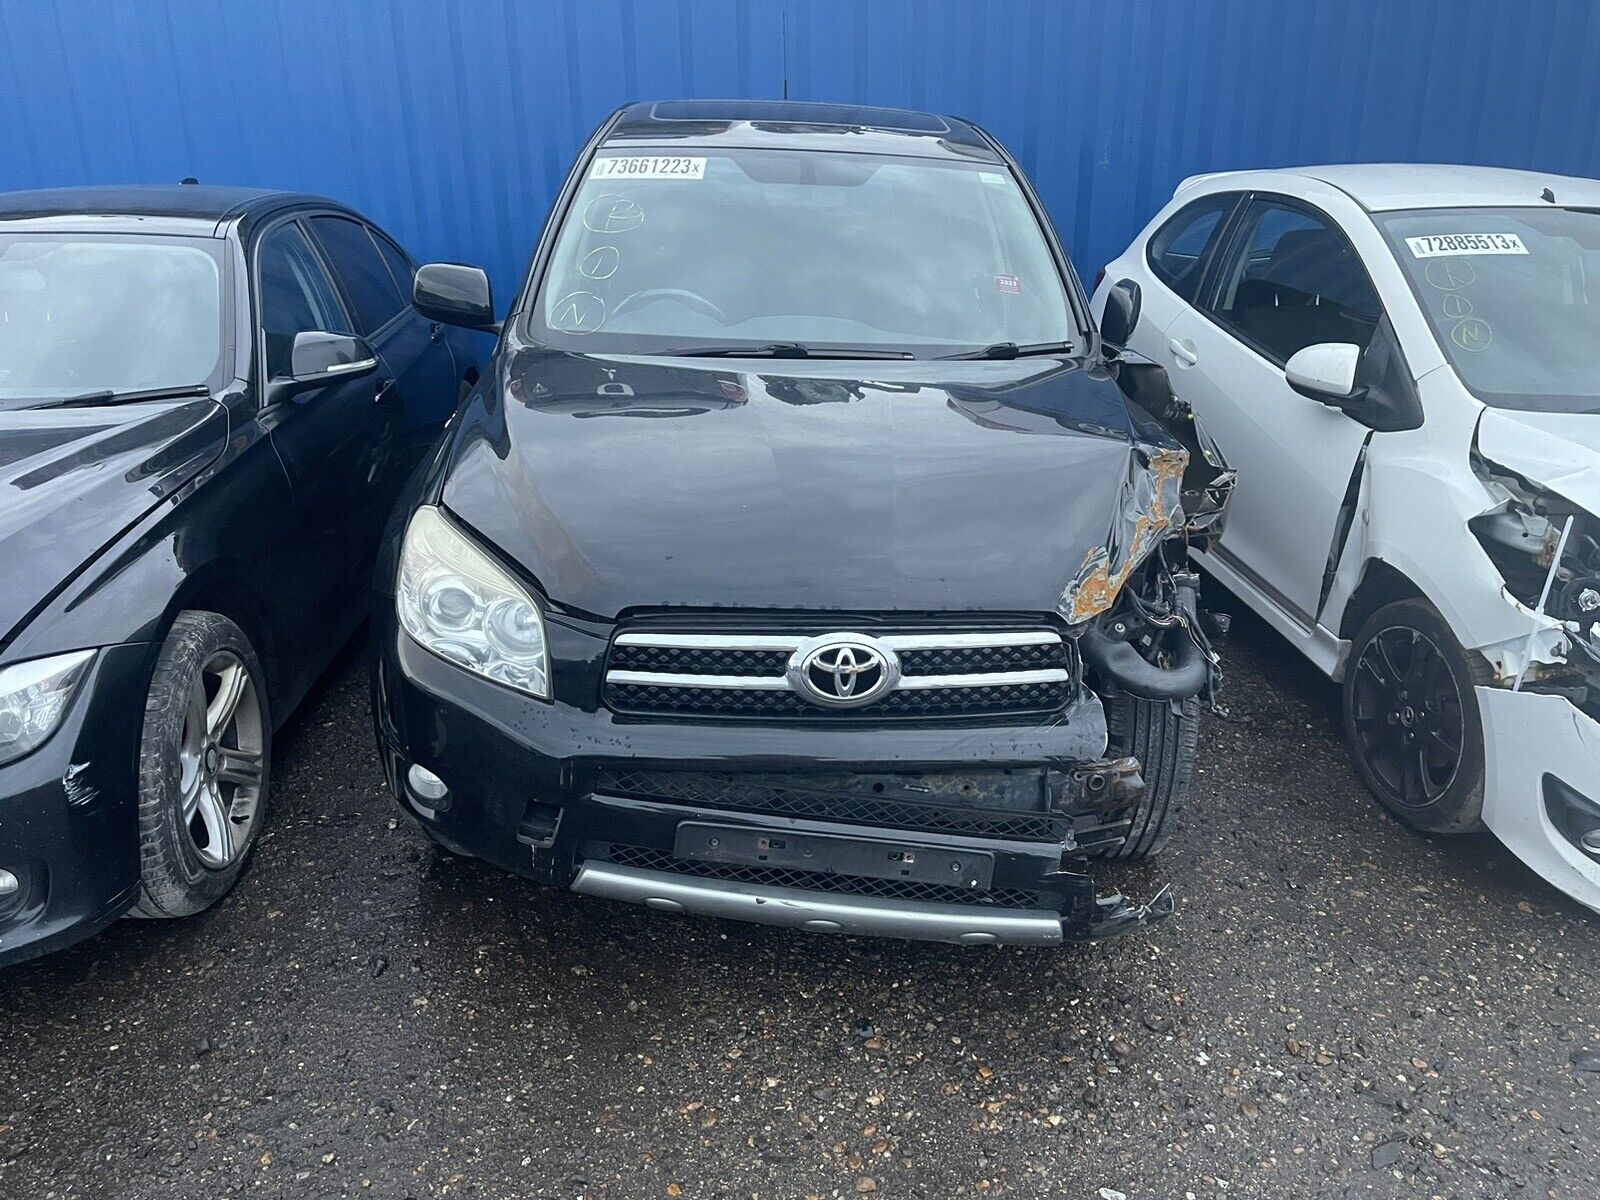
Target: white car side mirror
1325, 372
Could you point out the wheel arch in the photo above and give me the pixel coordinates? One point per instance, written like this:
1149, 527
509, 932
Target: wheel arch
1381, 583
223, 590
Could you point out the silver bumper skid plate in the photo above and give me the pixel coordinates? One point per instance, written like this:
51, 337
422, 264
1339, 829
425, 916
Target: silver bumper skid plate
969, 925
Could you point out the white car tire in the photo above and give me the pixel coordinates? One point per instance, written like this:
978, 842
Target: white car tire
1411, 718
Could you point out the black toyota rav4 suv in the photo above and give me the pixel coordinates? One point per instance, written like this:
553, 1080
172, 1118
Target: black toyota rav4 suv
804, 556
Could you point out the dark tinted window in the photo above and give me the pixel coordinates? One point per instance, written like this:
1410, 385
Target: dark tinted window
360, 269
1292, 281
399, 265
296, 296
1177, 250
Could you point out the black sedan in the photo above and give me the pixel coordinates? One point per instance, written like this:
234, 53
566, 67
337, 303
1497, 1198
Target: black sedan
209, 401
800, 557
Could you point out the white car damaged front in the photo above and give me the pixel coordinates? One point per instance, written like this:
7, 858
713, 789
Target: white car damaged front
1402, 364
1541, 732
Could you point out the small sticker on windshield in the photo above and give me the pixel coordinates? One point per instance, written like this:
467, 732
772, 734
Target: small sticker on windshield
648, 167
1446, 244
992, 179
1008, 285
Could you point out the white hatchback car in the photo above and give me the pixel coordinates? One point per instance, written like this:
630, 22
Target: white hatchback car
1402, 363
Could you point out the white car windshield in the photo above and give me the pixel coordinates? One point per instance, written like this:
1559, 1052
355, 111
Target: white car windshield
1513, 295
86, 313
731, 248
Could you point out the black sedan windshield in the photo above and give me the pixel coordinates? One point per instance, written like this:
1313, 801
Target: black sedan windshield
667, 253
1513, 295
83, 313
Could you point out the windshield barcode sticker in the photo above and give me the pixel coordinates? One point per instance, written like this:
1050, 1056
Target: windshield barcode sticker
648, 167
1445, 244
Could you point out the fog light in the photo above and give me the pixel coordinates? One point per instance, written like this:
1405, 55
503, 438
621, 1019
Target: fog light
8, 885
1591, 842
426, 786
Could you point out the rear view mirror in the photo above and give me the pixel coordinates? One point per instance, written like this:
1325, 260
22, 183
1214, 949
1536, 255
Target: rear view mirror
1121, 314
1326, 373
455, 294
317, 359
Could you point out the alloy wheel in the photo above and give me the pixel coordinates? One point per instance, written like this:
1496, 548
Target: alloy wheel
1409, 721
221, 760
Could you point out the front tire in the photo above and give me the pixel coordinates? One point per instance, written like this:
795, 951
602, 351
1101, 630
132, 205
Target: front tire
203, 766
1165, 743
1411, 718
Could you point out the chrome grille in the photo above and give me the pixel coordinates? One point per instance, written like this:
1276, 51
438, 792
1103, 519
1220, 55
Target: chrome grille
982, 673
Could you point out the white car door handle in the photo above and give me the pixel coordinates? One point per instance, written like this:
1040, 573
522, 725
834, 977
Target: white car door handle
1184, 352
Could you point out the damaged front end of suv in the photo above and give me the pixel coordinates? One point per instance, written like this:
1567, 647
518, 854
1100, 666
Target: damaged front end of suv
885, 630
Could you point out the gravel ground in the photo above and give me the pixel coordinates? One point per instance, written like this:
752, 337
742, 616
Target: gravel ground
1339, 1008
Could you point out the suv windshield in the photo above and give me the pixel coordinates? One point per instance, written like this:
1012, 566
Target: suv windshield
745, 248
1513, 295
82, 313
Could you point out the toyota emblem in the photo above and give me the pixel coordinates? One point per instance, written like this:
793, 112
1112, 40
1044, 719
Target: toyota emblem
843, 670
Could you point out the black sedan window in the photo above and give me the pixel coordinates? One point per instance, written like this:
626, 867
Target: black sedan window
296, 296
82, 313
372, 290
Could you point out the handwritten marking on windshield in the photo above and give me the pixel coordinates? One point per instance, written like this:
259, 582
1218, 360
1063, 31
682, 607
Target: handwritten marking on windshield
612, 214
579, 312
1450, 275
1472, 334
600, 263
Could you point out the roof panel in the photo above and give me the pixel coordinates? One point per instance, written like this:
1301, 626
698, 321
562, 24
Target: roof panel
796, 125
154, 200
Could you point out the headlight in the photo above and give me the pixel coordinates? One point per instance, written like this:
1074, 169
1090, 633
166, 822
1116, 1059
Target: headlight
459, 603
33, 699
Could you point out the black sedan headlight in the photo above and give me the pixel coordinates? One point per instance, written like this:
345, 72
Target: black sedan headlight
33, 698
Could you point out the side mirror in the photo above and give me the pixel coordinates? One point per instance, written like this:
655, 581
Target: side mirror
318, 359
455, 294
1123, 302
1326, 373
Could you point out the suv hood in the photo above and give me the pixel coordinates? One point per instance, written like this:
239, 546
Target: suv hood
72, 480
624, 483
1560, 451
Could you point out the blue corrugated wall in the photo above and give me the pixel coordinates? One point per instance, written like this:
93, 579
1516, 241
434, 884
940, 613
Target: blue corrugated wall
452, 122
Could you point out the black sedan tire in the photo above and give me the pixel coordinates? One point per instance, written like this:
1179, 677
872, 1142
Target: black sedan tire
203, 766
1164, 741
1411, 718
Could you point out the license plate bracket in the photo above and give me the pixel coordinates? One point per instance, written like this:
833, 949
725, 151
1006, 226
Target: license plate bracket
829, 854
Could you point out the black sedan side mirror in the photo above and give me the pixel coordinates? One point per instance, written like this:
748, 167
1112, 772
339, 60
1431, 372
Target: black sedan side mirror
455, 294
1123, 302
318, 359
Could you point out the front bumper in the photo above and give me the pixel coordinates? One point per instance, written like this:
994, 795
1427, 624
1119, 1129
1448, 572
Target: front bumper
1542, 785
68, 815
576, 797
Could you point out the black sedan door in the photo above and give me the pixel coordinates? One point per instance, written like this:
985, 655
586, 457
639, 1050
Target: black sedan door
339, 446
426, 382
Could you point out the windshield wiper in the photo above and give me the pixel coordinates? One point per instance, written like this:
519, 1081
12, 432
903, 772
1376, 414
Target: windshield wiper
782, 350
108, 396
1012, 350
